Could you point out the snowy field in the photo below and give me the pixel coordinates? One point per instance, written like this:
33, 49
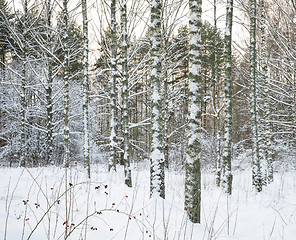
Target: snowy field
32, 206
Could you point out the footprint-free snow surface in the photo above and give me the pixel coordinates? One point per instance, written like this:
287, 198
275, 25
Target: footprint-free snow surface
35, 203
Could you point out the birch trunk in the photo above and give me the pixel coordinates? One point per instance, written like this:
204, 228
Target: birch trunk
192, 167
49, 109
23, 109
165, 104
256, 165
216, 103
66, 84
114, 124
66, 66
228, 134
85, 104
157, 184
265, 80
23, 86
166, 112
126, 157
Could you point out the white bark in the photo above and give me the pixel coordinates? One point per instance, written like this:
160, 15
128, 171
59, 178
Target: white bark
113, 83
85, 103
192, 167
265, 81
126, 156
157, 184
256, 165
228, 133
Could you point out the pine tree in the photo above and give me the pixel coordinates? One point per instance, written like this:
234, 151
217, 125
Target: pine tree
157, 175
85, 105
256, 165
126, 157
228, 134
192, 167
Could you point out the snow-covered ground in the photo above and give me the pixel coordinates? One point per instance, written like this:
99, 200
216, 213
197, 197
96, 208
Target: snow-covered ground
32, 206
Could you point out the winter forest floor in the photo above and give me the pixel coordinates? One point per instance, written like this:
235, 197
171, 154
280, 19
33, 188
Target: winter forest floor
32, 206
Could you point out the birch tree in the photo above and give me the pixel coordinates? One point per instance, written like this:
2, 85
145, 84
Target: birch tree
228, 134
126, 157
192, 165
265, 81
256, 165
85, 104
49, 87
157, 177
66, 76
66, 65
113, 80
24, 54
216, 103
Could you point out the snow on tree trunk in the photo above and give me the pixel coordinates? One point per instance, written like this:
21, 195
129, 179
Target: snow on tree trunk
218, 138
166, 112
193, 172
260, 108
49, 107
165, 102
256, 165
23, 87
157, 179
85, 104
114, 124
23, 110
126, 157
216, 103
49, 116
66, 84
66, 67
228, 133
265, 81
